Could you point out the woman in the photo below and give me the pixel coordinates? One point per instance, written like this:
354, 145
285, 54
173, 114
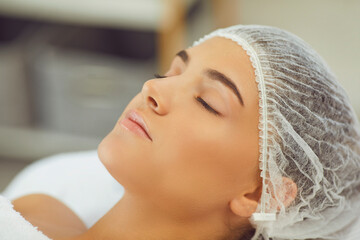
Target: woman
248, 135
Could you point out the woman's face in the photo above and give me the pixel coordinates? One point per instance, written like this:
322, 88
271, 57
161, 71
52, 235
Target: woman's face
197, 161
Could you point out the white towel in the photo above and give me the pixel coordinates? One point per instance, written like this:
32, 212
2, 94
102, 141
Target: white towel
13, 226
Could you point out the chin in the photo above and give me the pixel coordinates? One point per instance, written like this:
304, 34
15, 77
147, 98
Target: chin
129, 161
104, 152
120, 160
114, 155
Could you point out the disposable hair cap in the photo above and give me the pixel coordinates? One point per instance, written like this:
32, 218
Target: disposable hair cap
308, 132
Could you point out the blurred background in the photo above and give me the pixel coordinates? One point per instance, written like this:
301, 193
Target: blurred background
69, 68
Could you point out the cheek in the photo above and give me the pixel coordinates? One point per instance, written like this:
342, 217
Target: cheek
205, 165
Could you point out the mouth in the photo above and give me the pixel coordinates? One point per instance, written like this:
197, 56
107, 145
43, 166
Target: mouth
137, 122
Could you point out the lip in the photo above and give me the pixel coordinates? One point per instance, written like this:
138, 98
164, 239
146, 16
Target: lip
137, 119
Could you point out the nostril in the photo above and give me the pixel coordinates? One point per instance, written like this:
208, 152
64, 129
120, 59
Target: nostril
152, 100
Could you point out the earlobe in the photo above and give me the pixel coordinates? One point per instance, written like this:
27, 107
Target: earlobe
245, 205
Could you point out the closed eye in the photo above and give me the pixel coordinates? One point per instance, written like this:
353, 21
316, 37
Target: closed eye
198, 99
207, 106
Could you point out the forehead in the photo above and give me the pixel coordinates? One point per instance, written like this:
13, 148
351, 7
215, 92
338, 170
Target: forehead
221, 47
230, 58
223, 54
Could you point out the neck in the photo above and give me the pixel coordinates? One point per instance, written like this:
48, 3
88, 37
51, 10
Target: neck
136, 219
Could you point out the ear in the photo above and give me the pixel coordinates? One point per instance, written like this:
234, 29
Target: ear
244, 205
289, 192
285, 193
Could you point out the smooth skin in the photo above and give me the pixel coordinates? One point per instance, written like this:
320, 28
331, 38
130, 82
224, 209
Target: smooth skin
199, 176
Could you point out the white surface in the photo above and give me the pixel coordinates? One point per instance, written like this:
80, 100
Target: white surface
78, 179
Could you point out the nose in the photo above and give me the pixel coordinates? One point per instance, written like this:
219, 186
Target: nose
154, 96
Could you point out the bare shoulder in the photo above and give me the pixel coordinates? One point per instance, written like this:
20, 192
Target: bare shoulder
50, 215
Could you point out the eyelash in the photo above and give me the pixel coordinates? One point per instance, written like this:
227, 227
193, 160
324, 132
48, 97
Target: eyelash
159, 76
199, 99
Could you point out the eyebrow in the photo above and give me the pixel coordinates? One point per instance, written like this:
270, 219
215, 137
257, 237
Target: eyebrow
215, 75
